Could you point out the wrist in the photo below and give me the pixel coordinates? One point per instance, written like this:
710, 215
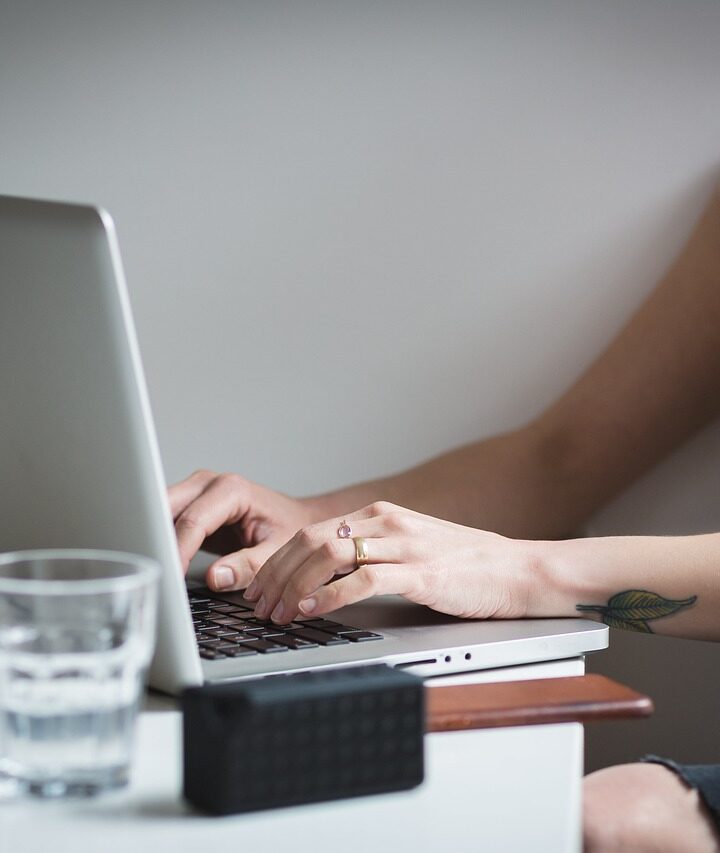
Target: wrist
555, 578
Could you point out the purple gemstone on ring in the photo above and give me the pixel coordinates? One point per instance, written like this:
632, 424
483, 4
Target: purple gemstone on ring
344, 531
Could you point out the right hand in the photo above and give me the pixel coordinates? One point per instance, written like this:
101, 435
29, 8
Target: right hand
241, 521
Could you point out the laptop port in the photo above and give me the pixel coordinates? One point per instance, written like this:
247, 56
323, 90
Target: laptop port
415, 663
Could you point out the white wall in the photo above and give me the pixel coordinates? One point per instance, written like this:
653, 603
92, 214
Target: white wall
358, 233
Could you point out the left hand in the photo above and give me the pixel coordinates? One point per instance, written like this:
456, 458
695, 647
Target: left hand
451, 568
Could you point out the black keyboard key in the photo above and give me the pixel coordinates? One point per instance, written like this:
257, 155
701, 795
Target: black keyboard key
320, 637
270, 631
240, 652
209, 644
294, 642
211, 654
357, 635
324, 625
235, 639
224, 620
243, 636
220, 632
197, 599
227, 607
362, 636
264, 647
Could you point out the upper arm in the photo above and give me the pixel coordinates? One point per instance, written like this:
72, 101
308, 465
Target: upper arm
655, 384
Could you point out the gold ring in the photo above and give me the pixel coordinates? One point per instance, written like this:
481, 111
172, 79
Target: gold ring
361, 552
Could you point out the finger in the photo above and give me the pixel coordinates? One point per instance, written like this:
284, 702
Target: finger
380, 579
334, 557
237, 570
305, 541
218, 505
182, 494
274, 576
288, 558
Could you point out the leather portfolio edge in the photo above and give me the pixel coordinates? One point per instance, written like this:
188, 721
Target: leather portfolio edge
583, 698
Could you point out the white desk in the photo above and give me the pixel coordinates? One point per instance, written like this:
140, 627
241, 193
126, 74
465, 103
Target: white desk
515, 789
511, 789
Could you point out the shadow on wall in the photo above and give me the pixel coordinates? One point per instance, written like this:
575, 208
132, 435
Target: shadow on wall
682, 678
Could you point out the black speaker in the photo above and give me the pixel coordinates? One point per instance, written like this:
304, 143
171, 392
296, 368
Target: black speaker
289, 739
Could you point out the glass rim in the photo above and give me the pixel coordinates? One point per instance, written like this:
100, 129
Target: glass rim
146, 570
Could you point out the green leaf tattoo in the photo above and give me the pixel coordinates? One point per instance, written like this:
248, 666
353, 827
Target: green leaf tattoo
634, 608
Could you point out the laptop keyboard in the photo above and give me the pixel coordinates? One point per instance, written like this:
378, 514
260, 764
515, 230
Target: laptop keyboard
227, 630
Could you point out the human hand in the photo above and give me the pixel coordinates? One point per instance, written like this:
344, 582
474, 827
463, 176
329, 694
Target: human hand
237, 519
451, 568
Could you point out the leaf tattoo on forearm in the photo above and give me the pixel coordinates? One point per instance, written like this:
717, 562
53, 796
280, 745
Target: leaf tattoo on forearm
634, 608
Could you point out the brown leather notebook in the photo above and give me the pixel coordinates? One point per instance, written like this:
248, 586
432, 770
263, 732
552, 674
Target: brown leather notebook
580, 699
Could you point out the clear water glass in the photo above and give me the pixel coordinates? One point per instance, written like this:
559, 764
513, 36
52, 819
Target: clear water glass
77, 632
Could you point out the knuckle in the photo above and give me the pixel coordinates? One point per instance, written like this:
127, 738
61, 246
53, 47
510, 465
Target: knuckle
202, 474
254, 565
332, 597
381, 508
308, 537
188, 521
412, 523
229, 481
329, 549
368, 576
399, 522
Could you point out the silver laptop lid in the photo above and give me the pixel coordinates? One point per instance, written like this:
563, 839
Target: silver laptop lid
79, 461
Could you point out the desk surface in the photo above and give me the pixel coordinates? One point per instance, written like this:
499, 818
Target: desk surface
496, 790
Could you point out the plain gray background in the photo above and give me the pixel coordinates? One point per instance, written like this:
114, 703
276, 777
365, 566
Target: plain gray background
356, 234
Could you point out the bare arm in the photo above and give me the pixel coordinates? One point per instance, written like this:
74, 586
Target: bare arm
655, 385
653, 584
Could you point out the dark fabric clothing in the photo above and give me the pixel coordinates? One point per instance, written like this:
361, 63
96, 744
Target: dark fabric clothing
705, 778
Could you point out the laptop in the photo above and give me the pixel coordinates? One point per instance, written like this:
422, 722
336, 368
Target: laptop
80, 467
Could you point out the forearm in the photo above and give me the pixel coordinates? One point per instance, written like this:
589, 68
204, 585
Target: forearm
597, 578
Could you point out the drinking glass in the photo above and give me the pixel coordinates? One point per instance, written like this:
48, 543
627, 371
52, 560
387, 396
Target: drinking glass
76, 636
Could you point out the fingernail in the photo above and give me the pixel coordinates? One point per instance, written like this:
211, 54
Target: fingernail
278, 613
252, 591
260, 608
223, 577
308, 605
